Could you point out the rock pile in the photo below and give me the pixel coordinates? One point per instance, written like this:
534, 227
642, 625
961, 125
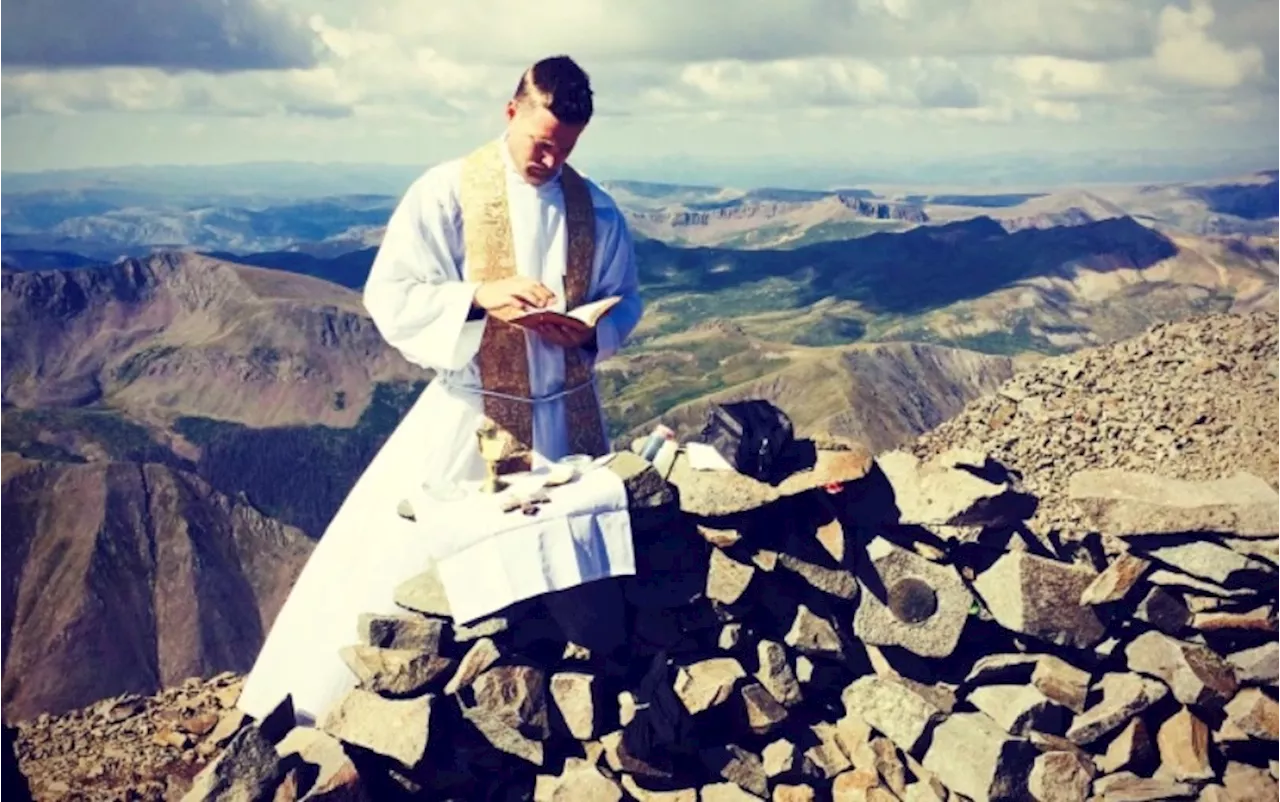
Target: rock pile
130, 747
866, 630
1193, 399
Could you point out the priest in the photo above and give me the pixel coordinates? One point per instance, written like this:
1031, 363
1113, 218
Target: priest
474, 242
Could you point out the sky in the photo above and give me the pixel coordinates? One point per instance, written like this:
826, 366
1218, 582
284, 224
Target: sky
799, 88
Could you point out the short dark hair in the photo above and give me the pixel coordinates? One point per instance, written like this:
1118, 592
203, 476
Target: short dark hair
558, 84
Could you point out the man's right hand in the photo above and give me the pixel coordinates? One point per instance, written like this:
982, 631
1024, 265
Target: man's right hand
520, 293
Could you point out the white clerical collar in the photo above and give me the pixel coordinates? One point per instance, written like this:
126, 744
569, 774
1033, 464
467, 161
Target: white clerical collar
511, 167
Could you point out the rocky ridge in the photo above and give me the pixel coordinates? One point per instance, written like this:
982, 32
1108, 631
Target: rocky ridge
887, 629
1194, 399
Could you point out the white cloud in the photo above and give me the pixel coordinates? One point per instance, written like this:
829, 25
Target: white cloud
931, 72
210, 35
786, 83
145, 90
513, 32
1050, 76
1187, 54
1057, 110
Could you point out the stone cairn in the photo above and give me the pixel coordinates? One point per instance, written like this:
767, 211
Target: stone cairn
884, 629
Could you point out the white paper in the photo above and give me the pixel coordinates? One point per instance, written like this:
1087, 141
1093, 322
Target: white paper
703, 457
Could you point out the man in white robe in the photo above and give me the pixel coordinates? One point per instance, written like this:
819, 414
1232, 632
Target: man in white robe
428, 302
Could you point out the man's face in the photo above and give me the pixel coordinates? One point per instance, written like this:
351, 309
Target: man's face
539, 142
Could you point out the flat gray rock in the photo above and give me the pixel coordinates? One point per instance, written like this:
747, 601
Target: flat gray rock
1128, 787
1195, 674
812, 634
336, 774
424, 593
998, 668
504, 737
763, 711
1208, 561
1255, 714
579, 780
394, 728
1257, 666
707, 683
482, 654
835, 581
727, 579
396, 672
722, 493
1243, 781
645, 487
1115, 582
1163, 610
516, 696
1183, 741
1060, 776
1130, 748
941, 493
418, 632
578, 700
1026, 594
1019, 709
892, 708
776, 675
1124, 695
739, 766
1061, 682
249, 768
1129, 503
971, 755
920, 605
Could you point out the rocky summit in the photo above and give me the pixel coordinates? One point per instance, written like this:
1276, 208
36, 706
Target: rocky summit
931, 623
1193, 400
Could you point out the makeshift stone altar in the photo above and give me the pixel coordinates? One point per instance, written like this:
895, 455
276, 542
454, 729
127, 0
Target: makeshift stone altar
862, 630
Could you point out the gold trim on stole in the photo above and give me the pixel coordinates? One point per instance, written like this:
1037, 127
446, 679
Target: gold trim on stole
503, 357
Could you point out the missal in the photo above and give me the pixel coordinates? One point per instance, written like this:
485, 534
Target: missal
582, 317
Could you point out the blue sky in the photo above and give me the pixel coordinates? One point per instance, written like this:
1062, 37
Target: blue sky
774, 87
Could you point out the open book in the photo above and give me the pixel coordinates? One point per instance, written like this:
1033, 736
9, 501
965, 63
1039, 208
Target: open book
583, 317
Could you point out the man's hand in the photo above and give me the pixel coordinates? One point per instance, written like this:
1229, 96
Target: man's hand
513, 294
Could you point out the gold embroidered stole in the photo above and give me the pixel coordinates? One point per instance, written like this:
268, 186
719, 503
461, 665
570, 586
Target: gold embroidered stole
503, 357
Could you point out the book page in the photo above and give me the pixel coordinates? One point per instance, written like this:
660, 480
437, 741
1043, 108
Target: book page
590, 313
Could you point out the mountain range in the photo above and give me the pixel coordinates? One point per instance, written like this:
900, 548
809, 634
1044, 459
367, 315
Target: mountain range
108, 220
191, 384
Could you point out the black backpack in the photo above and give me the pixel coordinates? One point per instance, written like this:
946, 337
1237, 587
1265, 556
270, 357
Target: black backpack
753, 436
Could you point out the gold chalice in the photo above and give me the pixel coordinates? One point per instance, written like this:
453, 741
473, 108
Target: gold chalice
495, 444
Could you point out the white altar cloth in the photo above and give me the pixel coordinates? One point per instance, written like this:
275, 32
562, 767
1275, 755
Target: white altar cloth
489, 559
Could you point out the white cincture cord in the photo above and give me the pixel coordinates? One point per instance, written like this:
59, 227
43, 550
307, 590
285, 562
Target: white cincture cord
539, 400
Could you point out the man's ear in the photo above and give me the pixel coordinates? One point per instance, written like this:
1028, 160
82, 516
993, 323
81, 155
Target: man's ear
511, 109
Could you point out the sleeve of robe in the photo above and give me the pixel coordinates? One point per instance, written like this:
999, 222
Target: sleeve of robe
415, 292
618, 276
